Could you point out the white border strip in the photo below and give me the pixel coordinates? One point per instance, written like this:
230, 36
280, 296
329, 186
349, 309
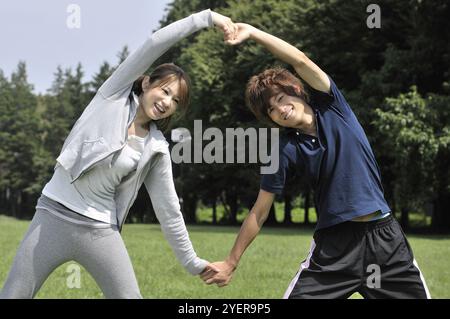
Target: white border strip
423, 280
304, 265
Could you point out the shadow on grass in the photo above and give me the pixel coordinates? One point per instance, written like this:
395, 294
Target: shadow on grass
229, 229
428, 236
266, 230
282, 230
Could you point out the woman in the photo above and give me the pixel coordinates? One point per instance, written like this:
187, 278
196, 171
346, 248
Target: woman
357, 246
113, 148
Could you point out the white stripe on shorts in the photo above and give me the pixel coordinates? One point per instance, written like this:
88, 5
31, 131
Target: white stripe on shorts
423, 280
304, 265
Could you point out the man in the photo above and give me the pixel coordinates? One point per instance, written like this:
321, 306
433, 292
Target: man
325, 143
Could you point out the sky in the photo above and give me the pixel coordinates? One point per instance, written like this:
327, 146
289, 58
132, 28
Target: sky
48, 33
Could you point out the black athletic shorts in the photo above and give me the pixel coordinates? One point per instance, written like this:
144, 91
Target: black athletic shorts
371, 258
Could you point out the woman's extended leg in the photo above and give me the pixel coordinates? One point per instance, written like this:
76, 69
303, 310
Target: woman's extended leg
43, 249
104, 255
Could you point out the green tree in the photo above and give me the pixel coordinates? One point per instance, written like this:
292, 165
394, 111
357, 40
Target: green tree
18, 141
416, 132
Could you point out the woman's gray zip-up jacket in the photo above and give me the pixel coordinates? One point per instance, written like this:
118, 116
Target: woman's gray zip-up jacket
102, 130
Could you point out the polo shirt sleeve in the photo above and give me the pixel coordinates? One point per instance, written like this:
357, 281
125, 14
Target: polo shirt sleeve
334, 100
274, 183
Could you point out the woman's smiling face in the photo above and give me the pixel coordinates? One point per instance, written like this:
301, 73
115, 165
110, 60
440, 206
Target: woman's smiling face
160, 100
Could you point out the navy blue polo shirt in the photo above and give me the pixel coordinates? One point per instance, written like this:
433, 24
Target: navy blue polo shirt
339, 164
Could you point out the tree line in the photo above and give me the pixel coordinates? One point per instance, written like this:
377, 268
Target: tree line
396, 78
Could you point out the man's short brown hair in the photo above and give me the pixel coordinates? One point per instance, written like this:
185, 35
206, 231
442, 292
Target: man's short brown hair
262, 87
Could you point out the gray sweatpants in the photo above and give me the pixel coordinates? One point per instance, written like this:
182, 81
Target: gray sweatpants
51, 241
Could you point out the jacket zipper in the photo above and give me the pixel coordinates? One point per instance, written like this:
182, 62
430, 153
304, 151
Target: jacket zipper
137, 180
127, 210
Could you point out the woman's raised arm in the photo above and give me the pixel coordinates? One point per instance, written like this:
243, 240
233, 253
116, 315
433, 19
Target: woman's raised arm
158, 43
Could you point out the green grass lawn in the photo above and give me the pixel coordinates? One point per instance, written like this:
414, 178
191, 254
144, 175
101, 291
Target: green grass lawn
265, 270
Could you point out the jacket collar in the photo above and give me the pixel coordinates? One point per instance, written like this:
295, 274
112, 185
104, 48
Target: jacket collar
157, 140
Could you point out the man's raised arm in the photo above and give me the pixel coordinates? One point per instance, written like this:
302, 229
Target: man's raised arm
286, 52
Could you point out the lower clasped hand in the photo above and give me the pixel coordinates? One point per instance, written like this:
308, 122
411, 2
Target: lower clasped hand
221, 275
